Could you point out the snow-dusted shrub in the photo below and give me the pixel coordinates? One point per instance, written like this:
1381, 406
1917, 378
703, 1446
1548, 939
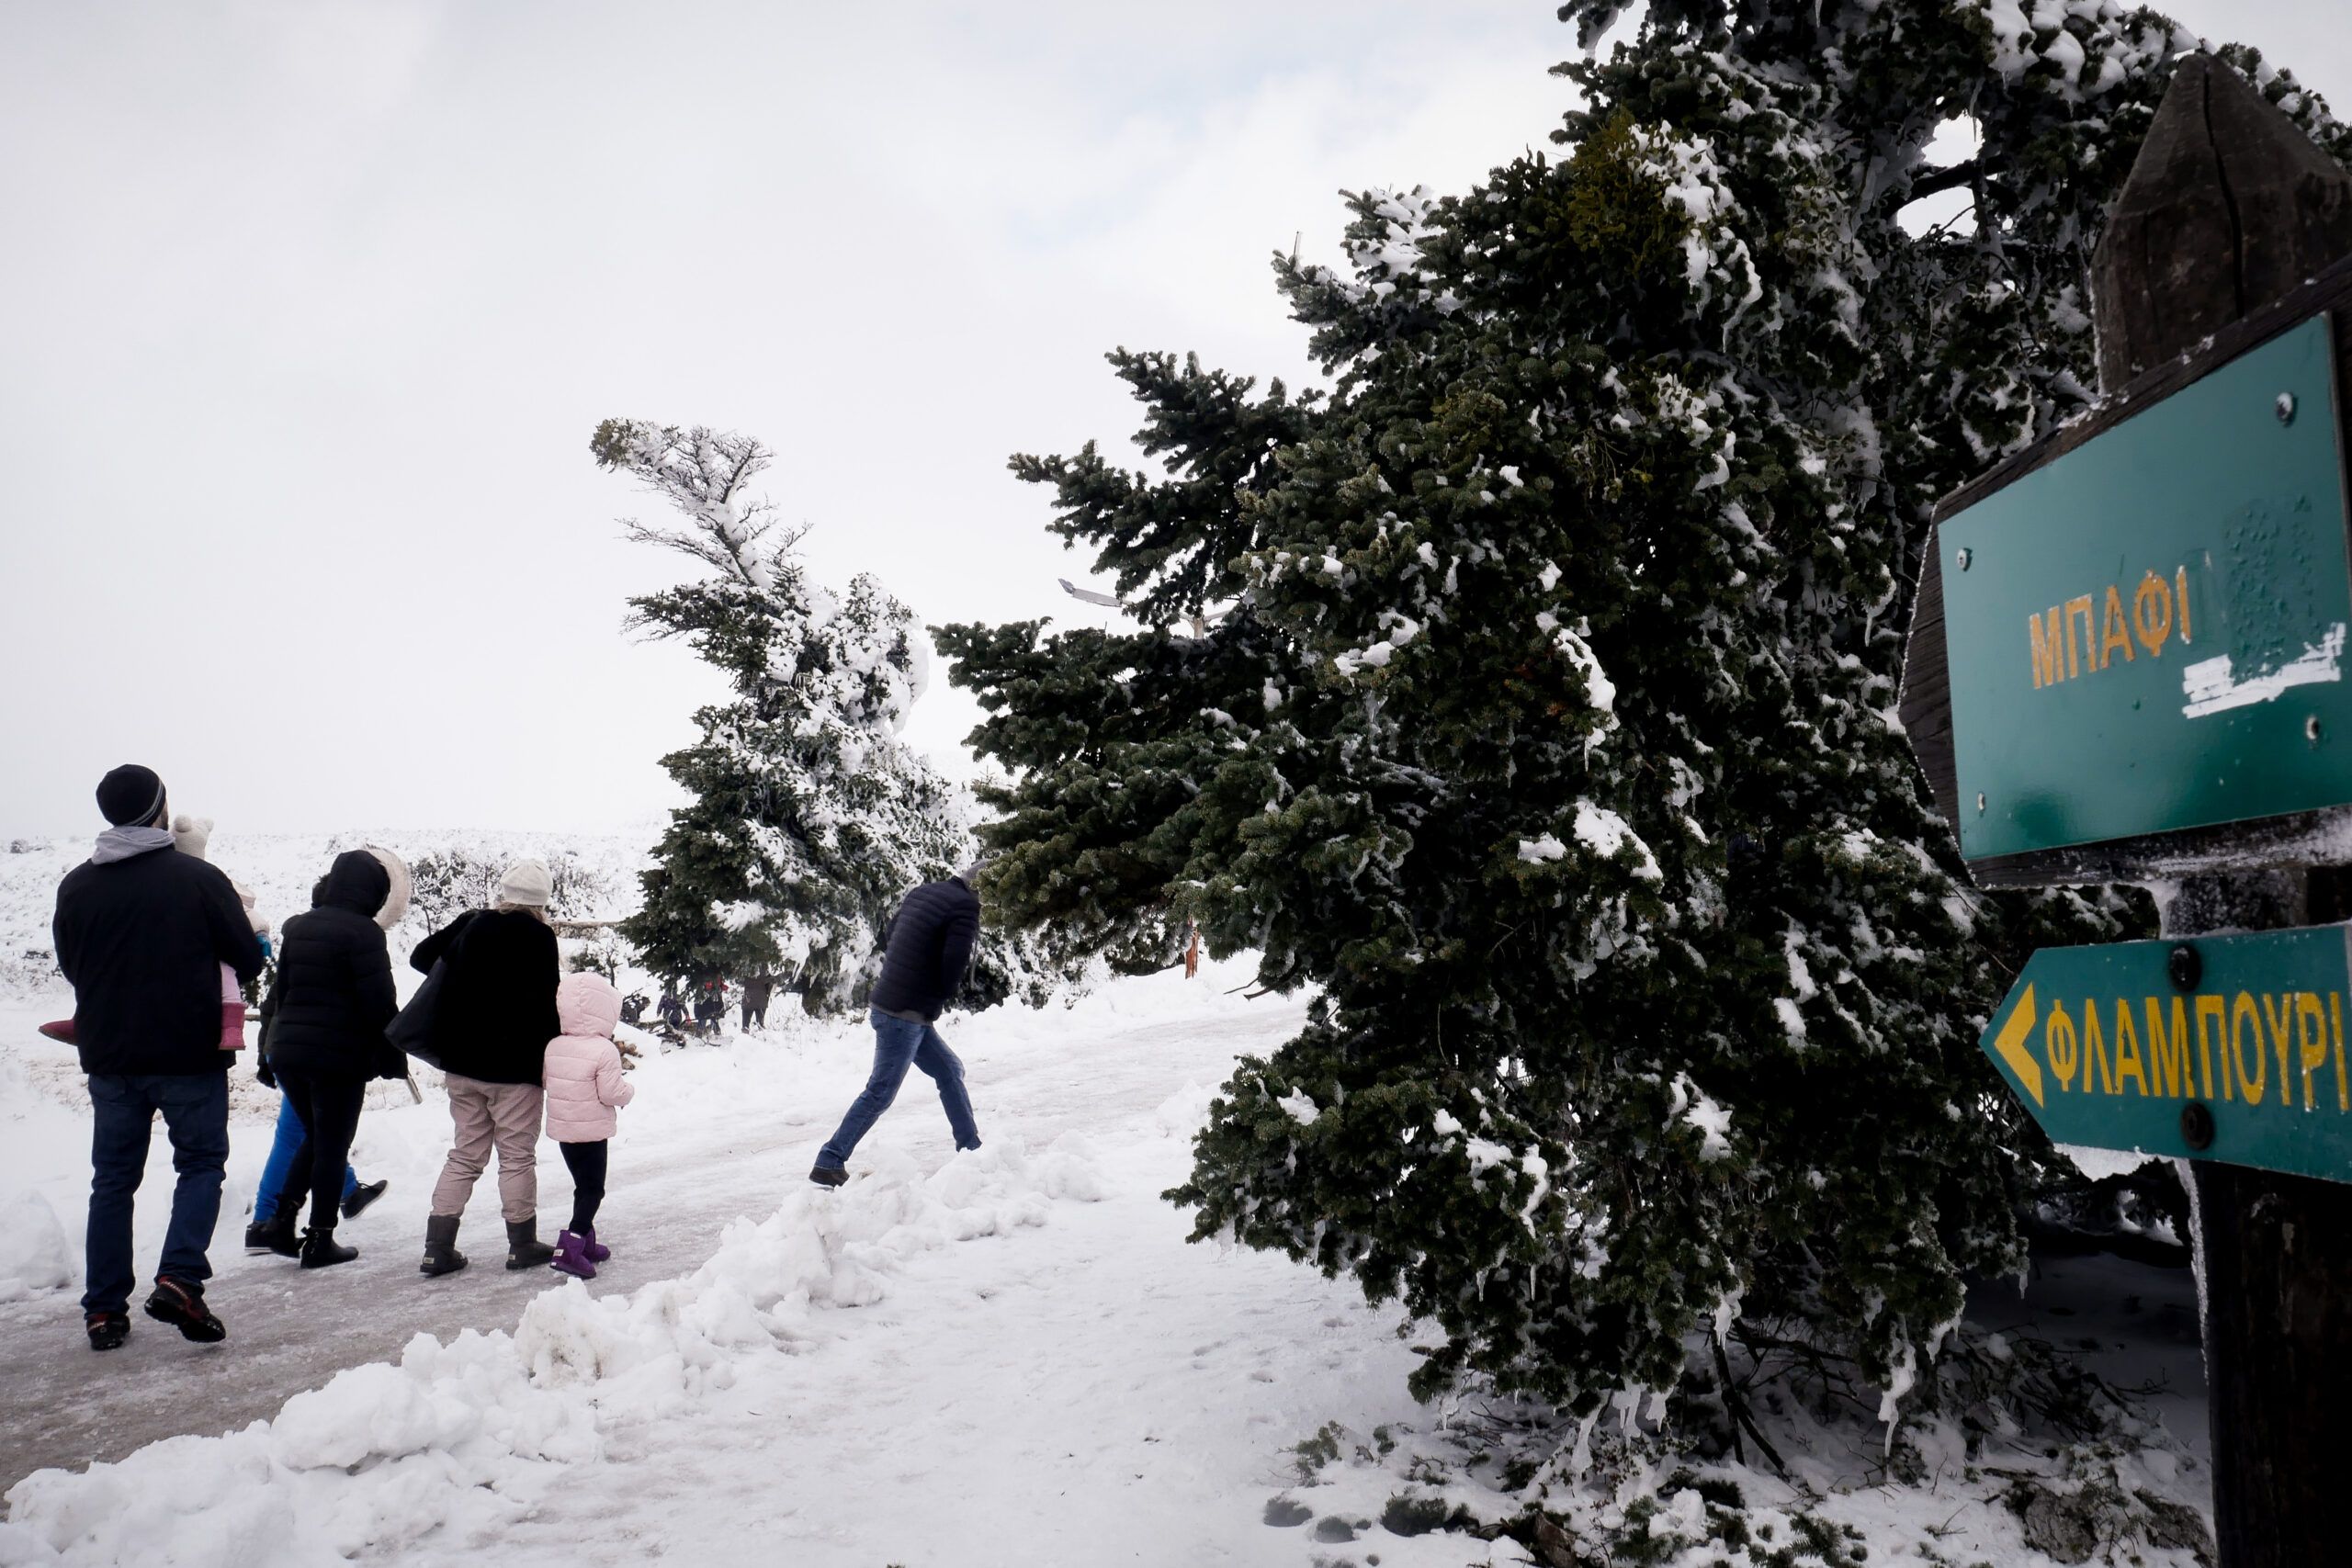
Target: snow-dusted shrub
1532, 693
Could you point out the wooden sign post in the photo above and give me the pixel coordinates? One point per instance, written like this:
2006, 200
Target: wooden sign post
2221, 290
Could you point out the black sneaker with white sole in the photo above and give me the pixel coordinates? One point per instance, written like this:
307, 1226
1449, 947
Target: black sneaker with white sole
360, 1197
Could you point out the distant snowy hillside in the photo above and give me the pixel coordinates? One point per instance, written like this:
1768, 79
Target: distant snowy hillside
596, 879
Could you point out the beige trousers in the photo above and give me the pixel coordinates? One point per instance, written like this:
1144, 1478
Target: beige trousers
504, 1116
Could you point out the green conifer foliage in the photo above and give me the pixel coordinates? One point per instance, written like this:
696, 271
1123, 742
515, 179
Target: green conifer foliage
1532, 694
809, 818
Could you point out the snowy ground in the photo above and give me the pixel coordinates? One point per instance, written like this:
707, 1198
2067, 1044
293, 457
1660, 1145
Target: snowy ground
1000, 1357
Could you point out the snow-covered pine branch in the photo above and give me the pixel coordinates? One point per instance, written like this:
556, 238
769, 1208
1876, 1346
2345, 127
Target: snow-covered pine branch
703, 473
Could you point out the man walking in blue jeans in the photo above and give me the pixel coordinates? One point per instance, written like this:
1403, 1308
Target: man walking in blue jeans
931, 947
143, 933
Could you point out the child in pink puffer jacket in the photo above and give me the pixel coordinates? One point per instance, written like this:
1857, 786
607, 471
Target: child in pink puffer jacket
585, 1087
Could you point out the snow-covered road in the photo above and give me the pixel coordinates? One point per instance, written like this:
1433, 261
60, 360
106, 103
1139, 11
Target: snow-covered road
1087, 1388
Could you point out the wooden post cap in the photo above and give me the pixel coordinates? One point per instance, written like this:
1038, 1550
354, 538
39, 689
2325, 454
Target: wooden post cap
2229, 208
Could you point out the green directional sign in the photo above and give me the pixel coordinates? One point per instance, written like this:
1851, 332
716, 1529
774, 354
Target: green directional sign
2227, 1048
2148, 633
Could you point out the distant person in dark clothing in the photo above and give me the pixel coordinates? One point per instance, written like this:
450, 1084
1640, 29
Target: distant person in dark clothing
497, 1015
756, 992
143, 933
710, 1005
932, 939
331, 998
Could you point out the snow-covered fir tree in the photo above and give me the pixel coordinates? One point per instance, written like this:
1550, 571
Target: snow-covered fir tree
1531, 693
809, 817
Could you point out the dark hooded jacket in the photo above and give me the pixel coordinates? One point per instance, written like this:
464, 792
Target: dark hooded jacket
142, 940
930, 946
333, 992
497, 1008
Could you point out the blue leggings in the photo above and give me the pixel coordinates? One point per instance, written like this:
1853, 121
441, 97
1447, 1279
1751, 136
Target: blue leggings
281, 1157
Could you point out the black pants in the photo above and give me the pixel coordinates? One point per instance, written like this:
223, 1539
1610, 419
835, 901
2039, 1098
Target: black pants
328, 1104
586, 1163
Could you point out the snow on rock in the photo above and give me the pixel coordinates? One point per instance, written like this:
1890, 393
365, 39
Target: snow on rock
469, 1433
33, 1254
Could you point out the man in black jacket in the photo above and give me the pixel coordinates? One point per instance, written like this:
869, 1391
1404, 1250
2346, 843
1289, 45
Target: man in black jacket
931, 947
141, 932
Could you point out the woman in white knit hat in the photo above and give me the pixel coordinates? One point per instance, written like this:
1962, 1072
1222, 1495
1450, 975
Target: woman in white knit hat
490, 1031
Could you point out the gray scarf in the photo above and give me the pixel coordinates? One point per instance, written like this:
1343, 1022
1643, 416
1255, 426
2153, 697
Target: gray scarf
123, 843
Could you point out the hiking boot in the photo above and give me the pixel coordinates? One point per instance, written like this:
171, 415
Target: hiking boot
828, 1176
356, 1201
523, 1247
181, 1304
596, 1252
320, 1250
108, 1330
441, 1254
572, 1256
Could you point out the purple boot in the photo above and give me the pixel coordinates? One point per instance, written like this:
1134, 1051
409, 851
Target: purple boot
571, 1256
595, 1251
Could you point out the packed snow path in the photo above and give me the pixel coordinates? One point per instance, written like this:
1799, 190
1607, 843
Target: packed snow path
290, 1330
1081, 1391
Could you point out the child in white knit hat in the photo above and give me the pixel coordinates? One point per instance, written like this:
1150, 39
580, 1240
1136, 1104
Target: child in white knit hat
192, 836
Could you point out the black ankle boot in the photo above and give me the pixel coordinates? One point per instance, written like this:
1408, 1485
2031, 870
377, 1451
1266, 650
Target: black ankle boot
320, 1251
282, 1234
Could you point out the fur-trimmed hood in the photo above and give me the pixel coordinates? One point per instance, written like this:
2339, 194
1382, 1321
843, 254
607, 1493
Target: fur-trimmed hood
396, 901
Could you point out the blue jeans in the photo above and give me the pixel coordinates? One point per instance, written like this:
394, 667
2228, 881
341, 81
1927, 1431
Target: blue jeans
900, 1044
196, 1110
281, 1155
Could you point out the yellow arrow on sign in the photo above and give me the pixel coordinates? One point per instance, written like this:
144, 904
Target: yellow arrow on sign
2011, 1043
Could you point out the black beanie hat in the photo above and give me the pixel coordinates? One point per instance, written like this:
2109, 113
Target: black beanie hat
130, 796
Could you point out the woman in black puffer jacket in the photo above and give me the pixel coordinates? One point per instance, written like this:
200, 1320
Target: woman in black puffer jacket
332, 998
490, 1030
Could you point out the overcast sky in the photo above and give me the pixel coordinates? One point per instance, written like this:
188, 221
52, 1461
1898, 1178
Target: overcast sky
307, 310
